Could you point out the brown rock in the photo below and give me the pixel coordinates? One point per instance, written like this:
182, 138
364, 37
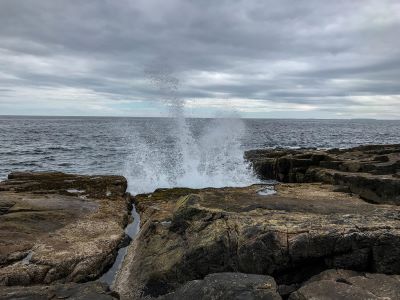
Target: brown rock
59, 227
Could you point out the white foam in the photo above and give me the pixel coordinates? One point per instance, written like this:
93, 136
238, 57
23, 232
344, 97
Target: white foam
267, 191
75, 191
213, 160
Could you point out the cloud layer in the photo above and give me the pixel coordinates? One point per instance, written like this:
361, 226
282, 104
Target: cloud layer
338, 59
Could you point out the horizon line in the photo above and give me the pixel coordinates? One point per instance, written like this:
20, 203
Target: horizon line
191, 117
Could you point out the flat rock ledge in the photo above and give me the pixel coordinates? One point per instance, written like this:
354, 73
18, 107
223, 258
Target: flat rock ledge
226, 243
58, 228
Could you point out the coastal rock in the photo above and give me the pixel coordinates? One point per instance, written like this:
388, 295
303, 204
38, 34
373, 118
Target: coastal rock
318, 234
227, 286
345, 284
72, 291
94, 187
298, 232
368, 171
57, 227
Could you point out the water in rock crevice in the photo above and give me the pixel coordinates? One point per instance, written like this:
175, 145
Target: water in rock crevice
131, 230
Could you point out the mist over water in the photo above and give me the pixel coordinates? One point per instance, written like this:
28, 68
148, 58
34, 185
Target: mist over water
212, 159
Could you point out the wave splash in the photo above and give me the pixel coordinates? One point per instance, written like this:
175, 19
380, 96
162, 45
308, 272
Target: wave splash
213, 158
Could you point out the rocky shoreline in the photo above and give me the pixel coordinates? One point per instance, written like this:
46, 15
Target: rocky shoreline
330, 230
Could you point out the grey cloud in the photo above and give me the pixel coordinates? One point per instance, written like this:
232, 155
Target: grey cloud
280, 51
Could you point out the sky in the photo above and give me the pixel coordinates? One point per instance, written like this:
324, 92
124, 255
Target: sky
255, 59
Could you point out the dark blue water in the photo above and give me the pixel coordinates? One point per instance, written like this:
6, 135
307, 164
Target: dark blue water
102, 145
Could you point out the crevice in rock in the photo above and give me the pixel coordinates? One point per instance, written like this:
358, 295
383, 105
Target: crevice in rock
109, 274
343, 280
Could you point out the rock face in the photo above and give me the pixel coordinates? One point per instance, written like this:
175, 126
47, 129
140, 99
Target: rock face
56, 227
344, 284
300, 231
373, 172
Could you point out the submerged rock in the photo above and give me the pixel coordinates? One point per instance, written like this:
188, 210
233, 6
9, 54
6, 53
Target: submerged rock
51, 233
300, 231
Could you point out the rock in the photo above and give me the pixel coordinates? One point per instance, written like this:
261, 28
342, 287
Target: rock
373, 188
95, 187
227, 286
298, 232
84, 291
57, 227
344, 284
369, 171
285, 290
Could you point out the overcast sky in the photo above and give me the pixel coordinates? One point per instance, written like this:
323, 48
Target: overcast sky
268, 59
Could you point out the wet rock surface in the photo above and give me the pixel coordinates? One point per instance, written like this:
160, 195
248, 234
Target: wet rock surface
57, 228
371, 171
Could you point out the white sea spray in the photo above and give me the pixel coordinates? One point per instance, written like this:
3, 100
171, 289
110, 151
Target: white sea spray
212, 159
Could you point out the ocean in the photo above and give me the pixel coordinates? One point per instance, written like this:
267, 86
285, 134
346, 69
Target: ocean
161, 152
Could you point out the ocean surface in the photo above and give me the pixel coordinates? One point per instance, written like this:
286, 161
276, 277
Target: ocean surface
156, 152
